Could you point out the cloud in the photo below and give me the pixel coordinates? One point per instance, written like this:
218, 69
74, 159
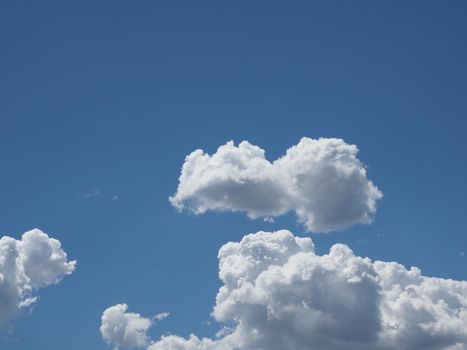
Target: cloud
91, 194
123, 329
161, 316
321, 180
27, 265
277, 294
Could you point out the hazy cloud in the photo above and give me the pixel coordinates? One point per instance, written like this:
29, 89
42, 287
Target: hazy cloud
26, 265
162, 316
91, 194
321, 180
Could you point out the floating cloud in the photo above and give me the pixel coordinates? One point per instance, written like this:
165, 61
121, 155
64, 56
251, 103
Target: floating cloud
120, 328
26, 265
277, 294
91, 194
161, 316
322, 181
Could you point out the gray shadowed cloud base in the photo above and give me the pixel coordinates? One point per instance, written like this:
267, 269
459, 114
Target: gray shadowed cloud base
321, 180
277, 294
26, 265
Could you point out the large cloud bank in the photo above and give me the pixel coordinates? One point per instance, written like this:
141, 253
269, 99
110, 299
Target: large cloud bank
26, 265
321, 180
277, 294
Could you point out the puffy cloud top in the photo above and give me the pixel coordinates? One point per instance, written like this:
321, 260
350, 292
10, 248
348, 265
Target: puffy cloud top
120, 328
26, 265
321, 180
279, 294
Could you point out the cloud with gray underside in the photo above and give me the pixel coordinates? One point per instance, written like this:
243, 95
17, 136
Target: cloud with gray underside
277, 293
321, 180
27, 265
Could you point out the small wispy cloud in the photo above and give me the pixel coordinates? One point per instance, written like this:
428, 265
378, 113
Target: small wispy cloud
462, 254
115, 197
91, 194
161, 316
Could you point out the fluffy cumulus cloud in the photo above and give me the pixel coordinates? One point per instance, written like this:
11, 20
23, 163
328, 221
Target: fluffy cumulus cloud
321, 180
123, 329
28, 264
277, 294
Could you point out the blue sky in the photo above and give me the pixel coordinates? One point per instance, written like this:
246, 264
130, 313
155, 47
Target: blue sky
110, 96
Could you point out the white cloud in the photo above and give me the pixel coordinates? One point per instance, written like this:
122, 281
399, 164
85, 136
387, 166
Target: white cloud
26, 265
161, 316
277, 294
123, 329
321, 180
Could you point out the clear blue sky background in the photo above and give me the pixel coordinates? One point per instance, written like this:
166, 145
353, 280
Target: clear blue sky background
111, 96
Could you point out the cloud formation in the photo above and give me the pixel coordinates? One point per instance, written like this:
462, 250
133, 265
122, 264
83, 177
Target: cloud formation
91, 194
321, 180
277, 294
27, 265
123, 329
161, 316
